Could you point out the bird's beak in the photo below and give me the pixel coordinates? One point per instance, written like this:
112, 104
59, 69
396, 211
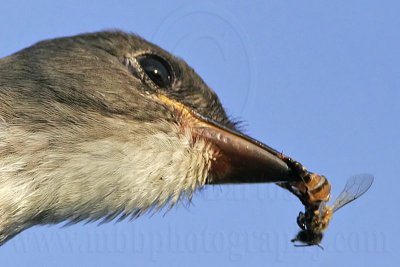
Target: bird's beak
237, 158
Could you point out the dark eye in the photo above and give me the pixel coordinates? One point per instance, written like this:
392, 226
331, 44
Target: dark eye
157, 69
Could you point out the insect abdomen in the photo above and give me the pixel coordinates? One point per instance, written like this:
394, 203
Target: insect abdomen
318, 189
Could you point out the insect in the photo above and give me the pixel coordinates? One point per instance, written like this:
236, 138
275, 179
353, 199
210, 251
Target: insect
314, 222
314, 190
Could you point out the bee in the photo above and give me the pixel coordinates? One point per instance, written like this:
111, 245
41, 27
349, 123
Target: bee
314, 222
314, 191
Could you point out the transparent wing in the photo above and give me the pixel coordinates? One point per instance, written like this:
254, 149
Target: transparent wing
321, 209
355, 187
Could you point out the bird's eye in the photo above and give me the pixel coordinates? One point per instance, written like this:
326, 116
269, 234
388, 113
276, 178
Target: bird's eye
157, 69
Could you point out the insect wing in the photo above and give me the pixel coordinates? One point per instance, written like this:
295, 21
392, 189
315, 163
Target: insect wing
355, 187
321, 209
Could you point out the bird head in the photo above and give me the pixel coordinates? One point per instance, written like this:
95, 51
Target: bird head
108, 124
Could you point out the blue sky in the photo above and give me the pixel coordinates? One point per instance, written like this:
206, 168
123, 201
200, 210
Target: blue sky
317, 80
